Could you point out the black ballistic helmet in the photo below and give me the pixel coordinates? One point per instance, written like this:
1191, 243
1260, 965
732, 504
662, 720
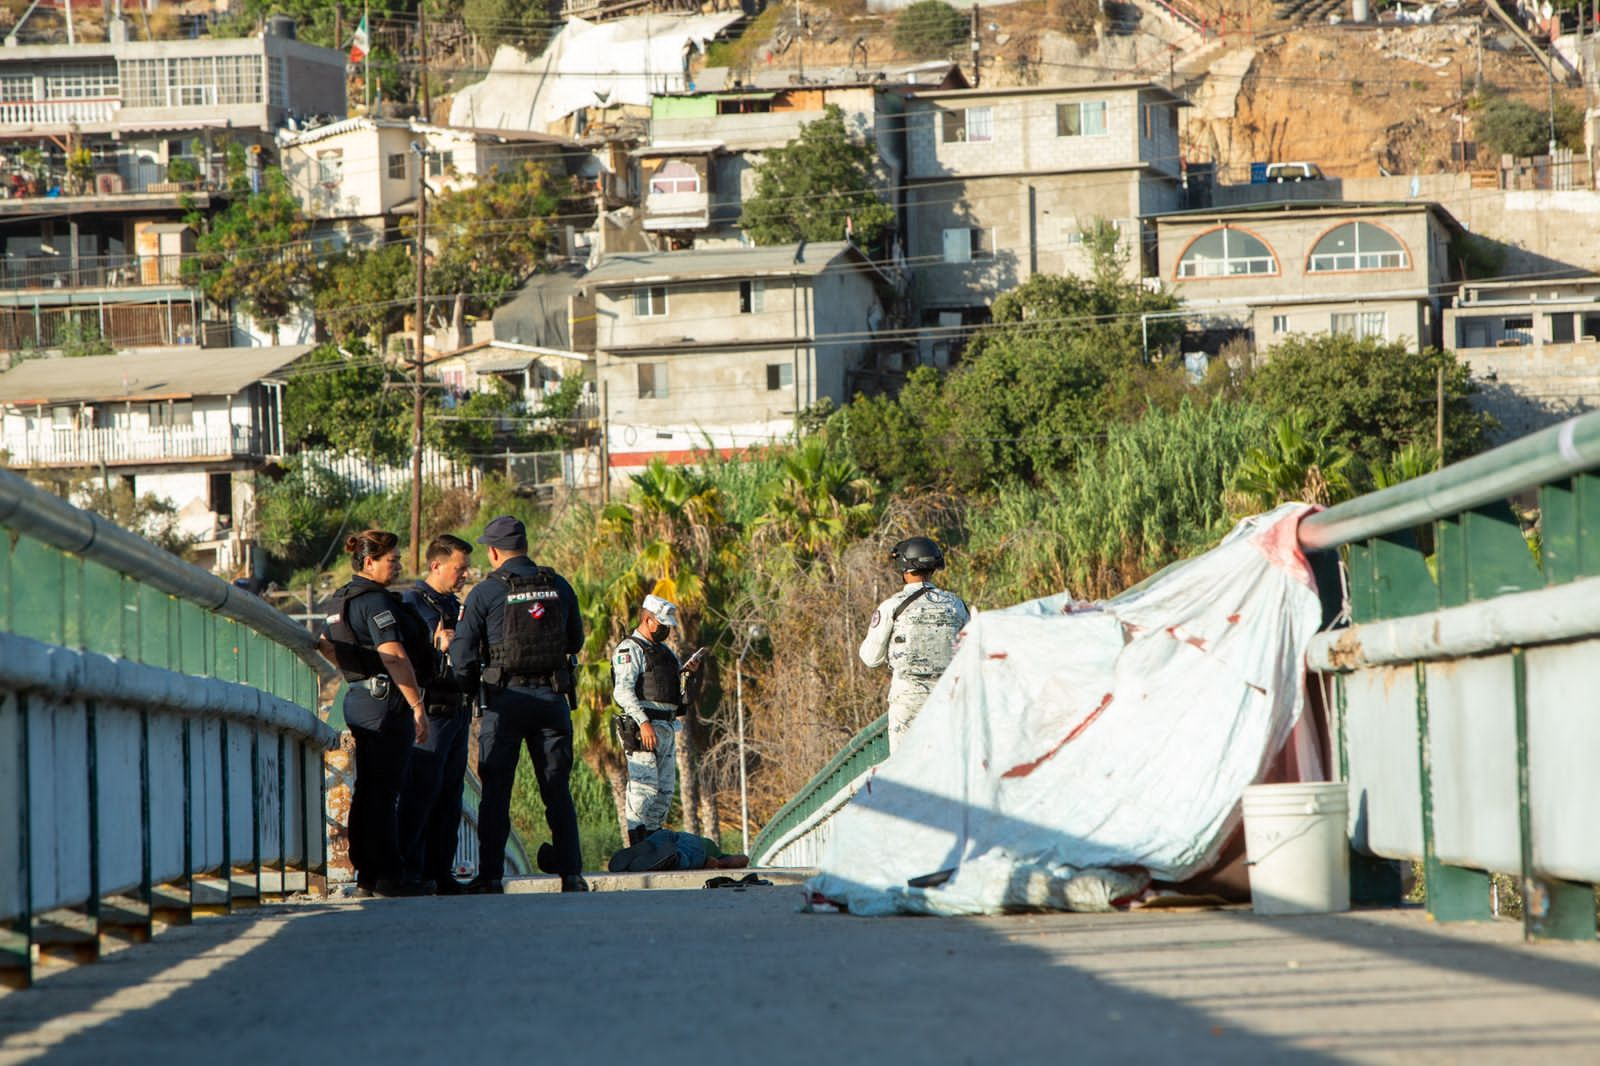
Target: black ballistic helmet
917, 553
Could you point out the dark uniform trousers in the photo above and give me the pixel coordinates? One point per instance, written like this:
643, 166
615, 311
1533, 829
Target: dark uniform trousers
381, 756
430, 804
539, 718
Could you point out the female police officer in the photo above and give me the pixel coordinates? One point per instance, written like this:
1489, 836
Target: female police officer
379, 644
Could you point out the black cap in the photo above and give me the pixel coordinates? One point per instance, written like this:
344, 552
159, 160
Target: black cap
505, 532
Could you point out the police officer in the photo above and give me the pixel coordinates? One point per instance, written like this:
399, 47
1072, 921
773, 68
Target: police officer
914, 631
430, 801
517, 629
648, 684
380, 647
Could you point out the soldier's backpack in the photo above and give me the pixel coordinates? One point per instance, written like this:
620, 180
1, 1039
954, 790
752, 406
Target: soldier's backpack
533, 639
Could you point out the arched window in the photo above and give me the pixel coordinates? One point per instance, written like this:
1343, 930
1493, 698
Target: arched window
1358, 246
675, 176
1226, 252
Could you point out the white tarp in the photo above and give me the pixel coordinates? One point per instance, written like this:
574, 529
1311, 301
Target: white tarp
1067, 737
587, 64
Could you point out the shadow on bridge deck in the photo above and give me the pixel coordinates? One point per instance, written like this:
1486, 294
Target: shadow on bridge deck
724, 976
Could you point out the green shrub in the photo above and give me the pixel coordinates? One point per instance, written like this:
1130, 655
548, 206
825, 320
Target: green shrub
929, 28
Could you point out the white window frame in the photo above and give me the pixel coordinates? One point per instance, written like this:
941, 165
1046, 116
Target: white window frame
976, 248
1229, 266
664, 184
752, 296
974, 125
330, 167
1357, 260
1360, 324
397, 157
1082, 109
1280, 325
649, 301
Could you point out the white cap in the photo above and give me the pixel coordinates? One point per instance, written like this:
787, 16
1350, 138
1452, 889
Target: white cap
666, 611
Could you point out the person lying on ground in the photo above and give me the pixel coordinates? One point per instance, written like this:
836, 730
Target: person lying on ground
667, 849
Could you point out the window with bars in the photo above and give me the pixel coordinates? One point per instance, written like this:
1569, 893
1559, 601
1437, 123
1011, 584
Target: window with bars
191, 82
16, 87
397, 166
1081, 118
144, 82
81, 81
238, 79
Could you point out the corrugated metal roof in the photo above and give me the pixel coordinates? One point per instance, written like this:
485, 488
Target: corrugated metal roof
157, 373
781, 260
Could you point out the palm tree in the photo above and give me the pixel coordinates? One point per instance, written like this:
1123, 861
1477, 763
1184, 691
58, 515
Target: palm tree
822, 499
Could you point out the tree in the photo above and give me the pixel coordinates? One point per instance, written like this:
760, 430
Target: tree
1511, 127
488, 237
822, 498
1370, 397
808, 189
366, 294
258, 253
1298, 463
521, 24
929, 29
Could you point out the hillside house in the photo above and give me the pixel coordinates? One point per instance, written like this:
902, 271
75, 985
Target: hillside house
190, 426
724, 347
1378, 270
105, 147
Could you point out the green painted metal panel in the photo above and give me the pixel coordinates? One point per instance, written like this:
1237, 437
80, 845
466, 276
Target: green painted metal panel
225, 634
1569, 524
1389, 578
72, 605
157, 640
8, 545
683, 106
1483, 554
258, 668
865, 750
36, 589
1454, 894
102, 609
192, 639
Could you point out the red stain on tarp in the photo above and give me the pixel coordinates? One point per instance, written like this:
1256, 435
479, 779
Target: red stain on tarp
1195, 642
1234, 619
1024, 769
997, 655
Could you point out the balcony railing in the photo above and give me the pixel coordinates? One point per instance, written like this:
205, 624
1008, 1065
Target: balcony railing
58, 112
92, 447
97, 272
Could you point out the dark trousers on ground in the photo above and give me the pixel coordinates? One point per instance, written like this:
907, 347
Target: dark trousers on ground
430, 802
374, 808
540, 719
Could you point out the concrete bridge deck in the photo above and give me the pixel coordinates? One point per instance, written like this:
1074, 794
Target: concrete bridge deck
739, 976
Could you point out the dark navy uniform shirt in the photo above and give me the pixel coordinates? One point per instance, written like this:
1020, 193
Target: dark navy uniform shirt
421, 598
374, 616
483, 619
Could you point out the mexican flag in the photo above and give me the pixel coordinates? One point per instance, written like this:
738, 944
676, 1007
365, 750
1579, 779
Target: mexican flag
360, 44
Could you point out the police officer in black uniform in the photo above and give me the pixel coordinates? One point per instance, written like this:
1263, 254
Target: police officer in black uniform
517, 631
381, 648
430, 801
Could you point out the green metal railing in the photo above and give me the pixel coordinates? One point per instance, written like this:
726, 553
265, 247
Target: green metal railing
1463, 690
159, 752
830, 788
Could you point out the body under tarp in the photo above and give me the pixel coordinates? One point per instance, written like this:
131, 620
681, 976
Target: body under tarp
1072, 749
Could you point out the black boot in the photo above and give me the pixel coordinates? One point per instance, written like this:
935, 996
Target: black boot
637, 835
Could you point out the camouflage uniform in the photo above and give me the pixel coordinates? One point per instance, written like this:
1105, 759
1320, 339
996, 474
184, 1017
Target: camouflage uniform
917, 646
652, 776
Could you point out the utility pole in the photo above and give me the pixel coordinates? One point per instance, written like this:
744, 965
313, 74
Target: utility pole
1438, 416
605, 441
416, 382
422, 60
977, 50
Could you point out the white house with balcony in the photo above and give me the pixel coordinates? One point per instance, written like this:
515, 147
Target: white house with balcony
189, 426
361, 173
723, 348
104, 144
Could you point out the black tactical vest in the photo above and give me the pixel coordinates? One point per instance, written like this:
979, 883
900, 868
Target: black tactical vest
659, 683
358, 660
533, 630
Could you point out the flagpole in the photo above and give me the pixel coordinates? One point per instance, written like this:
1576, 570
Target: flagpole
366, 61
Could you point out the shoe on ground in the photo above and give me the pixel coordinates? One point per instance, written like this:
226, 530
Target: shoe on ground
445, 885
484, 886
395, 887
574, 883
546, 859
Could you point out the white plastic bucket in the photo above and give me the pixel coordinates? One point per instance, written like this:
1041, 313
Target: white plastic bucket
1299, 856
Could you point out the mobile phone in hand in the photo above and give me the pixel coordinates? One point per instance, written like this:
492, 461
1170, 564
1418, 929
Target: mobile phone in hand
694, 660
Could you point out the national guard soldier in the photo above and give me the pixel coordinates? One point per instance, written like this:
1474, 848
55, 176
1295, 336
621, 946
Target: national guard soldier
518, 628
649, 687
430, 802
914, 631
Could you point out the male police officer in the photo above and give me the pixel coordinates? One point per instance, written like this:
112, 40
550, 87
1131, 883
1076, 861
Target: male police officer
914, 631
430, 800
649, 687
517, 629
